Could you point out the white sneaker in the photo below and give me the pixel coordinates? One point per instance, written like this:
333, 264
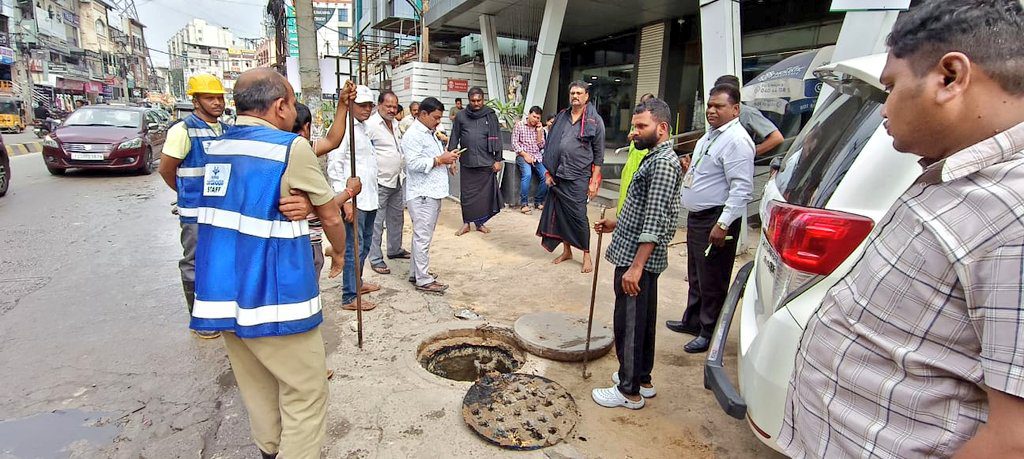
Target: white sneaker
611, 398
645, 392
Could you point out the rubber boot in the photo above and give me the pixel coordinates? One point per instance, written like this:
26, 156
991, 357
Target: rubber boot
190, 294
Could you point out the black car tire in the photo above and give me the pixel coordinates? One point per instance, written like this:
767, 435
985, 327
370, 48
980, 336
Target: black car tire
55, 171
5, 173
147, 163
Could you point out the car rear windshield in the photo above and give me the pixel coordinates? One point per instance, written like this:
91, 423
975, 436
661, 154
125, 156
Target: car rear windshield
104, 117
826, 148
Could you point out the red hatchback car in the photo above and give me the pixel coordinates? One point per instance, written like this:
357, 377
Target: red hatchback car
106, 137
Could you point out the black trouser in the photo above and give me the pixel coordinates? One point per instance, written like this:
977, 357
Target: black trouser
708, 275
635, 323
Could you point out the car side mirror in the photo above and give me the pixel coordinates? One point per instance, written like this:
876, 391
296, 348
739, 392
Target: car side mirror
153, 127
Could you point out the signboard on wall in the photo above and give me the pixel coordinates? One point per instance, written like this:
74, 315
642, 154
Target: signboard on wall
71, 18
321, 16
456, 85
6, 55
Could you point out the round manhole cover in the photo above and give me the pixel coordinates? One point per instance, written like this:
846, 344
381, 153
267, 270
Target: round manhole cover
562, 337
519, 411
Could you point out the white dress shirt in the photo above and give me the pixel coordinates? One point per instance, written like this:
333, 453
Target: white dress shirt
389, 156
722, 172
339, 167
423, 178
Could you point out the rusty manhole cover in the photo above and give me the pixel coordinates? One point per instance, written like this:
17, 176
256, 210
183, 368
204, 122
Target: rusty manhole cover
519, 411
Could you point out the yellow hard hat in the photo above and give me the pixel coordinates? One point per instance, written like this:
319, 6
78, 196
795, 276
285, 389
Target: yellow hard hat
204, 83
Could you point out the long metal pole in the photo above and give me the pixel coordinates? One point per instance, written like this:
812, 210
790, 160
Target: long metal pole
355, 209
593, 298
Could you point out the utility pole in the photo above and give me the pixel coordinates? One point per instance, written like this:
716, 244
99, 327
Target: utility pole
425, 34
309, 66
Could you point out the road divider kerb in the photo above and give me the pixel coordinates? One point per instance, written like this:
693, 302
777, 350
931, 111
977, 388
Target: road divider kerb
24, 148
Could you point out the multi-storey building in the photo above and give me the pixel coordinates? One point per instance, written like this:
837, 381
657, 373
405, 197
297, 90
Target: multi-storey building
53, 52
333, 20
201, 47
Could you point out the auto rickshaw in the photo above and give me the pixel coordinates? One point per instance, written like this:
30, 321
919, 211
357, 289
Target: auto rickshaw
183, 109
10, 115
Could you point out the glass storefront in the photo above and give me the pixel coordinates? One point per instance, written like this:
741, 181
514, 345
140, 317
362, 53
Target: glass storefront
612, 91
609, 66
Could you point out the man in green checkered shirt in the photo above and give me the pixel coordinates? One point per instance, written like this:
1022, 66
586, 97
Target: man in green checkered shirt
639, 251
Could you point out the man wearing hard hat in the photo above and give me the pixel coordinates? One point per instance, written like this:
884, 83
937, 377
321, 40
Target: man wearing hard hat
182, 165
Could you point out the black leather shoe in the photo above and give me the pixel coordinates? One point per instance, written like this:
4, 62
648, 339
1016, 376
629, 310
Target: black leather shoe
698, 345
679, 327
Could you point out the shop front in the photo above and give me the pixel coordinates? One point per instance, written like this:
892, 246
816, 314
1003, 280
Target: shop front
67, 91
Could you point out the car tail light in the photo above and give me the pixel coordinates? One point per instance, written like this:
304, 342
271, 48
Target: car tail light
814, 241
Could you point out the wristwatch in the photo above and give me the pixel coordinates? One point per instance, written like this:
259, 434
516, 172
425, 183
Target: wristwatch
723, 226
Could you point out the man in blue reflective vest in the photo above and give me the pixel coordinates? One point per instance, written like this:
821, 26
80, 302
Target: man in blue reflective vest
255, 280
181, 166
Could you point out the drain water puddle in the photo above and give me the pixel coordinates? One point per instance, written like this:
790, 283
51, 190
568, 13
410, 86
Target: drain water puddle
468, 354
48, 435
469, 362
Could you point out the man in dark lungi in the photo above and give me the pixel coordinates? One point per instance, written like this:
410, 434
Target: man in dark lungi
573, 157
477, 130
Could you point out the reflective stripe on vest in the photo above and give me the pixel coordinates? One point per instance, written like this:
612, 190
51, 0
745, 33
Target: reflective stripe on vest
256, 316
252, 226
254, 272
190, 172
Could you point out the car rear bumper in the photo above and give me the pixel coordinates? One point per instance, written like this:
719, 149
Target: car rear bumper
57, 158
715, 378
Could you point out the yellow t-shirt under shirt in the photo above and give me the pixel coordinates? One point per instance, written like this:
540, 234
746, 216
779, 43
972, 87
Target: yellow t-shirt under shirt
178, 142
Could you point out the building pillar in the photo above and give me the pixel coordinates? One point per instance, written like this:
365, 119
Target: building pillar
720, 54
720, 41
547, 48
492, 58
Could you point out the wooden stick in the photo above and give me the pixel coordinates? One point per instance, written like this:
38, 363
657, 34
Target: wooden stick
593, 297
355, 227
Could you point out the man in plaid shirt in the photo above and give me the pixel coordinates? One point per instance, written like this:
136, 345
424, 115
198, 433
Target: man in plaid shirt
919, 350
527, 141
639, 251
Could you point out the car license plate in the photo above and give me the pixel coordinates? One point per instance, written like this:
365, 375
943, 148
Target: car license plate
87, 156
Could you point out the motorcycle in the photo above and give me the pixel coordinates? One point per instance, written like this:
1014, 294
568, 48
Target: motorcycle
42, 128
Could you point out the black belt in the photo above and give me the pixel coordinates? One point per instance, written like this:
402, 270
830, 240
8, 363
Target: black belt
717, 210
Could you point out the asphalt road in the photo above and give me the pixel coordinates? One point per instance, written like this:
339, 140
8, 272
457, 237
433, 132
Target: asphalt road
94, 342
25, 137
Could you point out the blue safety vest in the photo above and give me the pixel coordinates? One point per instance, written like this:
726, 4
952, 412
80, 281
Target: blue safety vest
189, 176
254, 273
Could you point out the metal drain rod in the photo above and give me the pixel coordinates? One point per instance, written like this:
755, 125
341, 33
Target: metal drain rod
355, 226
593, 297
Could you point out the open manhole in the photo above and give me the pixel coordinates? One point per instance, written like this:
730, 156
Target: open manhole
520, 411
468, 354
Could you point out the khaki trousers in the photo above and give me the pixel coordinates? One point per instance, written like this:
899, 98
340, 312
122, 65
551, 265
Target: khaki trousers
284, 388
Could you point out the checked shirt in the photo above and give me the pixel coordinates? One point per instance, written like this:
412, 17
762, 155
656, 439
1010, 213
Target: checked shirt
896, 360
651, 210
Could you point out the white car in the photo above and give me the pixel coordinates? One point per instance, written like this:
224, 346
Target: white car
838, 179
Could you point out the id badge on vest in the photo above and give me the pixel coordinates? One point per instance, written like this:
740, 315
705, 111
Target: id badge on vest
215, 180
